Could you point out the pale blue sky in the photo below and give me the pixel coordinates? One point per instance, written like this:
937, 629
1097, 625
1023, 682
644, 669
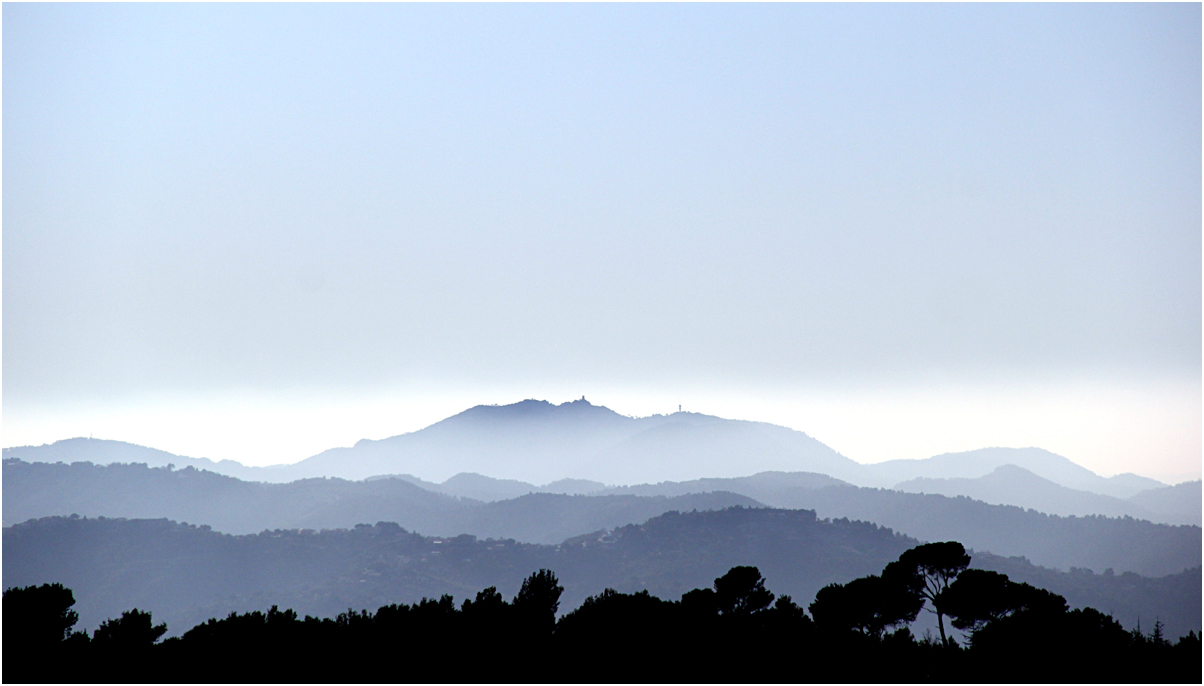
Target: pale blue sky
798, 206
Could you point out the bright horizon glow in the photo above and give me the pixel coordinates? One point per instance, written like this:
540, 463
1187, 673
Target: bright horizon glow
1105, 429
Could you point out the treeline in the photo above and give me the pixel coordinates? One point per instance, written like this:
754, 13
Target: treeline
735, 631
186, 574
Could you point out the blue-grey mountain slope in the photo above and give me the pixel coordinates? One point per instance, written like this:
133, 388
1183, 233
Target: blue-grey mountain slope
1012, 485
977, 463
487, 489
538, 442
532, 441
185, 574
38, 489
1092, 541
102, 452
229, 505
768, 484
1178, 504
581, 446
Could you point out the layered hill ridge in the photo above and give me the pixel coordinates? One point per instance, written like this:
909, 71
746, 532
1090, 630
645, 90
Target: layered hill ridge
104, 452
977, 463
186, 574
1180, 502
34, 490
233, 506
534, 441
1013, 485
537, 441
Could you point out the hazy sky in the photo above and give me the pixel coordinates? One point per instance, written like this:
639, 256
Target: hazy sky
259, 231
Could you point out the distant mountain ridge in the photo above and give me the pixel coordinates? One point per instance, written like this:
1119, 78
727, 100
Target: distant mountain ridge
1013, 485
1179, 502
34, 490
532, 441
535, 441
103, 451
539, 442
488, 489
977, 463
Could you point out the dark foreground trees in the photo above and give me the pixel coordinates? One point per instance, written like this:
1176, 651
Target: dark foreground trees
735, 631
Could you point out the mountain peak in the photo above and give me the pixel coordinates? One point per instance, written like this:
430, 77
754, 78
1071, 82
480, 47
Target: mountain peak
532, 409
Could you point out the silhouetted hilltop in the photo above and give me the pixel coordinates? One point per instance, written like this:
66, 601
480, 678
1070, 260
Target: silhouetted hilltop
484, 488
39, 489
224, 502
488, 489
234, 506
1012, 485
977, 463
1179, 504
1095, 542
766, 483
102, 452
531, 441
1053, 541
185, 574
535, 441
1173, 599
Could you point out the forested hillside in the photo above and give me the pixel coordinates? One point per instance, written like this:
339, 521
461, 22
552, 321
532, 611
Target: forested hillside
185, 574
1173, 599
1094, 542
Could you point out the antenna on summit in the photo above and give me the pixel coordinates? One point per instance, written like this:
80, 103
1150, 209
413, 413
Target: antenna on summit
679, 408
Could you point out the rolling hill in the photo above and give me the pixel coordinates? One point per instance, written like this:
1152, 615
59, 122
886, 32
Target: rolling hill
978, 463
575, 447
135, 491
185, 574
33, 490
1178, 504
1012, 485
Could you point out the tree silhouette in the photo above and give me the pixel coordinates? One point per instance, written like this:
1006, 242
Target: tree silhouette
869, 605
636, 616
978, 597
133, 629
700, 603
1019, 634
932, 568
38, 615
538, 600
741, 592
488, 600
